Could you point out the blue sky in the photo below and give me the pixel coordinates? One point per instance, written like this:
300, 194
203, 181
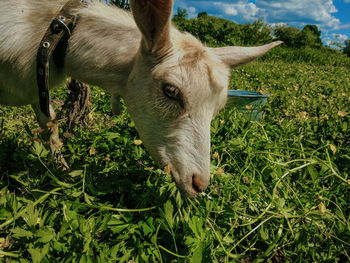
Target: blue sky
331, 16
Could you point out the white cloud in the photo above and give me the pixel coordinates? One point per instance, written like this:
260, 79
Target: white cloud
231, 11
335, 40
297, 13
247, 11
274, 25
339, 37
293, 12
319, 12
344, 26
192, 12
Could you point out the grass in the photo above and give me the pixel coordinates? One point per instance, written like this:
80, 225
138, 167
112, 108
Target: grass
280, 189
322, 56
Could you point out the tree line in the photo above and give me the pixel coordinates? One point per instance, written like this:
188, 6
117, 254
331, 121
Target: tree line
216, 31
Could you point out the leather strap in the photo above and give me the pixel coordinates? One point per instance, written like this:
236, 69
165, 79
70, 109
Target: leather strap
54, 43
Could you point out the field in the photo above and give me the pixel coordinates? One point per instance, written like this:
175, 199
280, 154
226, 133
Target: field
280, 188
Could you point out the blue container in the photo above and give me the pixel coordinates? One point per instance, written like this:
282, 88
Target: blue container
249, 102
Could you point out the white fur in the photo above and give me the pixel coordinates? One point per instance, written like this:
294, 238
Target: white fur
107, 49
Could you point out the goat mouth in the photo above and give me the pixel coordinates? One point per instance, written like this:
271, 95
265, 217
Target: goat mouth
190, 191
196, 189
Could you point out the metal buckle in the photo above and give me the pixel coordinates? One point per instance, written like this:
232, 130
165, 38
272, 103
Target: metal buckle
58, 24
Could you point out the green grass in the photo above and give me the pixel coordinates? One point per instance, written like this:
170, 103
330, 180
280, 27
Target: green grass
322, 56
280, 190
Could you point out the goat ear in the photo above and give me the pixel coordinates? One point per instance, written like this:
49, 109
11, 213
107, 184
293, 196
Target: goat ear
237, 56
153, 18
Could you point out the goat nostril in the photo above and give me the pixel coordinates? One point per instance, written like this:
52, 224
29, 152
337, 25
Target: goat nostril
198, 183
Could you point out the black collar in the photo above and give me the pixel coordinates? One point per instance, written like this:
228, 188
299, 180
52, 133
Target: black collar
55, 43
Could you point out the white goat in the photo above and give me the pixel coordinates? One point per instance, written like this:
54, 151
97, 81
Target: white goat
172, 84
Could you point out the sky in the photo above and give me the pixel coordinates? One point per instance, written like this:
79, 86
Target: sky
331, 16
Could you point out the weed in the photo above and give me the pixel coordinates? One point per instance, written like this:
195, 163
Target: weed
279, 190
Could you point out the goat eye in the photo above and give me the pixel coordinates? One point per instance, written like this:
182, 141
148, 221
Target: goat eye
173, 93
